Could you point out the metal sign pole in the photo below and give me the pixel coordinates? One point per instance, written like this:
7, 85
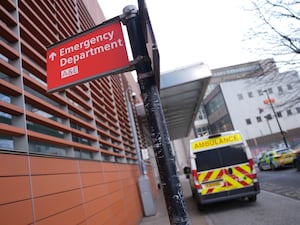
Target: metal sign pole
159, 134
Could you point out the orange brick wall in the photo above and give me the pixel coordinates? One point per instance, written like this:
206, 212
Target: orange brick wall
68, 191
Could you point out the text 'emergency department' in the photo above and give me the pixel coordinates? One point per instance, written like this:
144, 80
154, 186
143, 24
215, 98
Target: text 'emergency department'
89, 48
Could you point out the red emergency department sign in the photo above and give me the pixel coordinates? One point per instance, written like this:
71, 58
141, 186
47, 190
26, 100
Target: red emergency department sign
89, 55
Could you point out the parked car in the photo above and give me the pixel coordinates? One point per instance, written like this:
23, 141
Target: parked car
257, 157
276, 158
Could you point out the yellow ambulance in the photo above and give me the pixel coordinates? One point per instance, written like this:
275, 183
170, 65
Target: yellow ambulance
222, 168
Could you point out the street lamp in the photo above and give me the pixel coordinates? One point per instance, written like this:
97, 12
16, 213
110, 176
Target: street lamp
281, 132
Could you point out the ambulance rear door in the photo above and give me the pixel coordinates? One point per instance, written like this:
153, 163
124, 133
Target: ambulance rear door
237, 167
223, 169
210, 172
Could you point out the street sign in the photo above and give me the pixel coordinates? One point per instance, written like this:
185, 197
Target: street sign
89, 55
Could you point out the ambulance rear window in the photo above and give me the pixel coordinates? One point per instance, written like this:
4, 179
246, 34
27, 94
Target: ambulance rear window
220, 157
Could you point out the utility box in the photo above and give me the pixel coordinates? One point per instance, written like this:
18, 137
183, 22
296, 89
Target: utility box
146, 196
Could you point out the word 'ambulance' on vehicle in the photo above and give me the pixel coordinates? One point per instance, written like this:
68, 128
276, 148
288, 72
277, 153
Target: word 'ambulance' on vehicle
221, 169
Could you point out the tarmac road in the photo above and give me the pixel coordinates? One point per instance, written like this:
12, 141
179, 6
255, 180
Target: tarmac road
277, 204
269, 209
284, 182
272, 206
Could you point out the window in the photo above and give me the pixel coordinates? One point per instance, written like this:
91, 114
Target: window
207, 160
48, 149
260, 92
201, 113
279, 114
250, 94
44, 130
4, 58
268, 117
248, 121
6, 142
289, 112
251, 68
298, 109
215, 103
240, 96
221, 157
289, 87
258, 119
270, 90
233, 155
202, 131
280, 90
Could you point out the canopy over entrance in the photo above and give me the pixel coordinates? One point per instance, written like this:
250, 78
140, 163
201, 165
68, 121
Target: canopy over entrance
181, 93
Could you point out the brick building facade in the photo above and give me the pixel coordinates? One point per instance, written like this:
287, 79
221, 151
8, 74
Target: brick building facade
67, 157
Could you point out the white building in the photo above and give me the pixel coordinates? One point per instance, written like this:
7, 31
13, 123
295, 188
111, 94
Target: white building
235, 101
245, 104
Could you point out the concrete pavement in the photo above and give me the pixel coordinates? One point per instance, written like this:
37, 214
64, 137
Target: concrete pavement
162, 218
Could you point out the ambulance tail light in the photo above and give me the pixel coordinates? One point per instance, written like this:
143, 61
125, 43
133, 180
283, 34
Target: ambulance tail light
194, 173
195, 176
251, 164
254, 176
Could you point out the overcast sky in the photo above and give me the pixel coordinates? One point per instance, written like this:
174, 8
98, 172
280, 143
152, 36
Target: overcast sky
192, 31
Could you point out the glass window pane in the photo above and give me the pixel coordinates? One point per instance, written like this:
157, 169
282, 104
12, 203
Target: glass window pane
208, 160
6, 142
45, 148
232, 155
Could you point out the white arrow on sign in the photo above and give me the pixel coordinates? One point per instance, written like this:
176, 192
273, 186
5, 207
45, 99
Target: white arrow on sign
52, 56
